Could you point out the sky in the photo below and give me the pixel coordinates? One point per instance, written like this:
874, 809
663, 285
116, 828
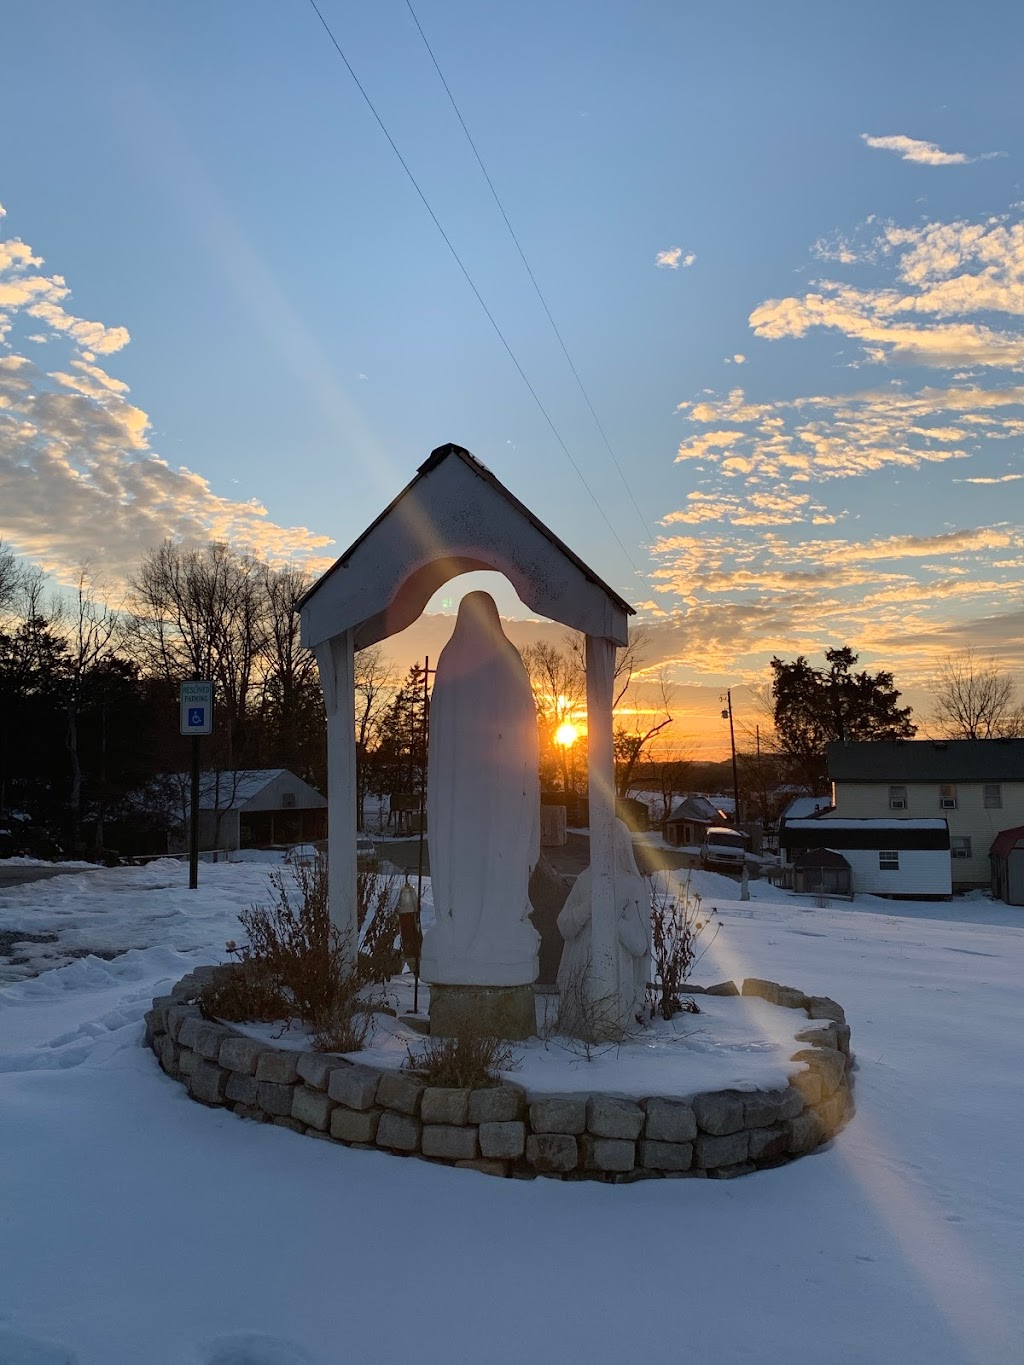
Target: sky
783, 246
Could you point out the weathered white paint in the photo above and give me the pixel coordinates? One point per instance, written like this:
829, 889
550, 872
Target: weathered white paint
604, 975
336, 662
483, 807
452, 518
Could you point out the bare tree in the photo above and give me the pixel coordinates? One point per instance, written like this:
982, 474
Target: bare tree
973, 699
559, 685
10, 577
639, 723
375, 690
91, 630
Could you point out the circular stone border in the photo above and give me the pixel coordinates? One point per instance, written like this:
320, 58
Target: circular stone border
500, 1130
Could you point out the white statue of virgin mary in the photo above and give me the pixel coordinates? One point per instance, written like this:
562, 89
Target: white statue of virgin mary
483, 807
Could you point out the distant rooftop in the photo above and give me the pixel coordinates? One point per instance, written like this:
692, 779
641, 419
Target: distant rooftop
927, 760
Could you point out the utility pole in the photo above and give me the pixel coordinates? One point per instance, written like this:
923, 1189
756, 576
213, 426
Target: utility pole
195, 703
727, 715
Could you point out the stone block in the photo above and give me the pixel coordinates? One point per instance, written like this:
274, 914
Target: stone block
185, 991
449, 1141
149, 1035
552, 1153
210, 1039
831, 1112
503, 1140
400, 1132
311, 1107
719, 1112
278, 1067
668, 1121
241, 1054
768, 1144
400, 1091
828, 1064
187, 1060
820, 1033
559, 1115
274, 1099
169, 1054
354, 1125
666, 1156
822, 1007
721, 1151
485, 1166
791, 999
249, 1111
207, 1082
731, 1172
808, 1085
286, 1121
315, 1068
612, 1118
722, 988
806, 1133
495, 1011
607, 1154
189, 1028
176, 1016
241, 1089
161, 1004
441, 1105
843, 1038
497, 1104
765, 990
765, 1107
354, 1086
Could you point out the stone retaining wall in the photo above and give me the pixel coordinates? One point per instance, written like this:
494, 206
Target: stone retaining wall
500, 1130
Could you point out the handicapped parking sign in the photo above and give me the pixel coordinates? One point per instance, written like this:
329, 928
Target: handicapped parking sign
196, 717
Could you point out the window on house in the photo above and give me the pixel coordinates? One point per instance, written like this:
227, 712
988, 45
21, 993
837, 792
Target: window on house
947, 796
960, 846
993, 796
897, 798
287, 800
888, 860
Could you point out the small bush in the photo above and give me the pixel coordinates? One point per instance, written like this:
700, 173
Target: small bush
295, 966
468, 1061
677, 926
380, 953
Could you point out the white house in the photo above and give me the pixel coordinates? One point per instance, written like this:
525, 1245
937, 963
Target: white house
976, 785
886, 857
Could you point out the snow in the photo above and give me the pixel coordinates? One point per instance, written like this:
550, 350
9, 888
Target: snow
137, 1226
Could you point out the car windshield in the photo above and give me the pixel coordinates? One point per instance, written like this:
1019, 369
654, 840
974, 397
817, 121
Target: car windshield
726, 840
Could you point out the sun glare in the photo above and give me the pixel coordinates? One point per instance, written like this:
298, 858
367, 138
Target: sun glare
566, 735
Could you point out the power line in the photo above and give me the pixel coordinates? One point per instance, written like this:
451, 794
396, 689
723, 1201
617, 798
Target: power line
469, 280
529, 271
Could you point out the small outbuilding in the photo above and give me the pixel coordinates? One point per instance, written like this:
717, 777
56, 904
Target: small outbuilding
251, 808
1007, 857
907, 858
690, 820
822, 871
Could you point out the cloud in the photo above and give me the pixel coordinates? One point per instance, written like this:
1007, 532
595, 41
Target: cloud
923, 153
1001, 478
79, 480
675, 257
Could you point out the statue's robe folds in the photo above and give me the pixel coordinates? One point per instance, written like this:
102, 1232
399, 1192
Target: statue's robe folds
483, 807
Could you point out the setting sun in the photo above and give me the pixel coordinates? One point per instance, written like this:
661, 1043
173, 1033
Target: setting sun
566, 735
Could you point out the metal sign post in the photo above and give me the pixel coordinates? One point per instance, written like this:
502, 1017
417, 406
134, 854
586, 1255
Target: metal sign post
195, 719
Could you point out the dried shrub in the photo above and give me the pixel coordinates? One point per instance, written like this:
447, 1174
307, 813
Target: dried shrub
678, 924
587, 1025
380, 952
294, 965
467, 1061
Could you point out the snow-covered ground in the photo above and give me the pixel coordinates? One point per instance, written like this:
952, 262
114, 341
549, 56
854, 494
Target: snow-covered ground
139, 1228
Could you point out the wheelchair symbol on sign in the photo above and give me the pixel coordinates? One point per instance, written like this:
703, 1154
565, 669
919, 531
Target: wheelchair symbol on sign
196, 716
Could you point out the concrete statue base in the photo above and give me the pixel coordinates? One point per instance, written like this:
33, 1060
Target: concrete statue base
491, 1011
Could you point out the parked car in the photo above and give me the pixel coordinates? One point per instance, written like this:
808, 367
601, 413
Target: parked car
302, 855
723, 848
366, 855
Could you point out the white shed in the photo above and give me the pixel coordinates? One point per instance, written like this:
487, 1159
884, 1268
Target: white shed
886, 857
250, 808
